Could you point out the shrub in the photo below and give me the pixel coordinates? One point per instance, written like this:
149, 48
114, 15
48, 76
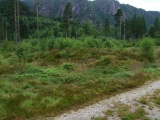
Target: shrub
62, 43
22, 52
8, 46
157, 41
107, 60
43, 45
90, 42
34, 47
63, 54
33, 70
147, 49
111, 43
50, 44
68, 66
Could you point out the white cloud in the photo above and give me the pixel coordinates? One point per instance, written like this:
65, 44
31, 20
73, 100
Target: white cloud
153, 5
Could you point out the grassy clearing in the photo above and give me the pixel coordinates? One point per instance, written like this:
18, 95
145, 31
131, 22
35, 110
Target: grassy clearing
53, 78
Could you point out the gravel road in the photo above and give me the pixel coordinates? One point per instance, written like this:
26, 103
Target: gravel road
98, 109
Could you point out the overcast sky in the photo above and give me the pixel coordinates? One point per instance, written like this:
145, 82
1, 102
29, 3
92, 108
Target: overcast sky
149, 5
153, 5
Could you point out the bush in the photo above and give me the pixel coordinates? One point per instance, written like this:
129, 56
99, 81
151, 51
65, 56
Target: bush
43, 45
22, 52
90, 42
107, 60
50, 44
111, 43
68, 66
8, 46
147, 49
108, 44
157, 41
62, 43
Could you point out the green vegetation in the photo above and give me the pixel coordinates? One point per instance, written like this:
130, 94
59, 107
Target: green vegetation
147, 47
54, 64
42, 79
138, 114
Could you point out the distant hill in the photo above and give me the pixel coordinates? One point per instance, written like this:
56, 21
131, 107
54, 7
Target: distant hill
149, 15
96, 10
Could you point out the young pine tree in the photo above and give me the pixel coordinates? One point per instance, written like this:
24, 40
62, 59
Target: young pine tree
67, 16
107, 27
118, 18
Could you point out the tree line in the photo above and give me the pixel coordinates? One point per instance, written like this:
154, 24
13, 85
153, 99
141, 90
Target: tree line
18, 21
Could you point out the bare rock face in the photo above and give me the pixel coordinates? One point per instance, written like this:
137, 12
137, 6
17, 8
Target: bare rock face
107, 6
82, 9
96, 10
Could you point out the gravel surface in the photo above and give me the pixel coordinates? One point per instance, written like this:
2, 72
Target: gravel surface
98, 109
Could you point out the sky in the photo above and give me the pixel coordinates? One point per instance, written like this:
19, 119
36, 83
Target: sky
149, 5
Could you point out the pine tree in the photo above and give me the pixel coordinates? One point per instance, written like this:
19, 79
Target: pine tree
156, 26
37, 15
67, 16
17, 23
118, 18
107, 27
15, 20
152, 31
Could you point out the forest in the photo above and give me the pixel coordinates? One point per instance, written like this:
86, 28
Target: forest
51, 65
30, 24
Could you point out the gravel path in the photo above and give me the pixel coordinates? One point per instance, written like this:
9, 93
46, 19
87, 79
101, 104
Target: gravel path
98, 109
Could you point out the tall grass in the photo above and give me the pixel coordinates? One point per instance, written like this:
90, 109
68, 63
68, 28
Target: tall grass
61, 73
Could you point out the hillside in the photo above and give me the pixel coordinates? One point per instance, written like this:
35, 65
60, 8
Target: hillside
96, 10
149, 15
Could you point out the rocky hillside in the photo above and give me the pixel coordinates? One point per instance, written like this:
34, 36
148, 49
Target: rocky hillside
96, 10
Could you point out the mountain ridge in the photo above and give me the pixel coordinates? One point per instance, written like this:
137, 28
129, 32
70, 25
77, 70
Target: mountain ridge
96, 10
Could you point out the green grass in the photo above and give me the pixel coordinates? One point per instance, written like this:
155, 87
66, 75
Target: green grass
67, 76
138, 114
143, 101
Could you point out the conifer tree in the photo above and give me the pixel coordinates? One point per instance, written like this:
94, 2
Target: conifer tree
118, 18
67, 17
37, 15
107, 27
156, 26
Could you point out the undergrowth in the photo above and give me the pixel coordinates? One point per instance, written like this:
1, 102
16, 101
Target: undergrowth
64, 73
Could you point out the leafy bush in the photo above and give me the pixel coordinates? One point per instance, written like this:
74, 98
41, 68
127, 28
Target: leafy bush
147, 49
90, 42
22, 52
8, 46
50, 44
43, 45
107, 60
108, 44
62, 43
34, 47
30, 69
158, 54
157, 41
68, 66
111, 43
63, 53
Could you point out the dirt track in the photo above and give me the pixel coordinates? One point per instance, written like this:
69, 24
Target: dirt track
98, 109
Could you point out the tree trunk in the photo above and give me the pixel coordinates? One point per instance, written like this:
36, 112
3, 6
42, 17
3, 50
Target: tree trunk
18, 22
15, 17
120, 27
6, 31
37, 19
